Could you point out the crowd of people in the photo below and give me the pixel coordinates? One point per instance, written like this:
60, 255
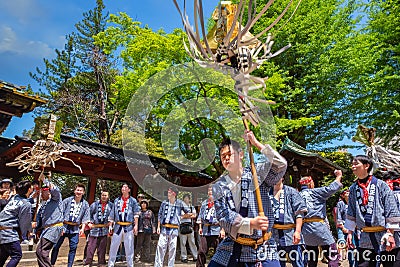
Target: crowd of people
294, 227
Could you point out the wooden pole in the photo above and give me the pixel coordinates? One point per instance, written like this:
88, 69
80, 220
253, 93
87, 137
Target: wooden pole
255, 179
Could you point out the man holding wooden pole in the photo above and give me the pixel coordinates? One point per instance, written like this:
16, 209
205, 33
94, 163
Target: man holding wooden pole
241, 196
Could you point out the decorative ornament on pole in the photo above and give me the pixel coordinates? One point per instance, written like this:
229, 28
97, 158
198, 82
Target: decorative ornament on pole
230, 48
46, 151
384, 157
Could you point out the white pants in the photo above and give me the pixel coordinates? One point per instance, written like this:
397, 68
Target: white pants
187, 238
128, 244
165, 241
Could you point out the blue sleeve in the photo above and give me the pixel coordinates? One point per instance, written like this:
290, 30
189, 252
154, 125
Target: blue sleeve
136, 208
92, 211
111, 217
228, 219
86, 215
25, 218
161, 212
298, 204
327, 191
352, 202
391, 211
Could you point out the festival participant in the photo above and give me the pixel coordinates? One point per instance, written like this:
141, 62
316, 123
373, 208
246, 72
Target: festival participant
289, 209
4, 193
99, 213
6, 184
15, 217
236, 206
168, 226
341, 211
125, 216
373, 209
188, 238
209, 229
392, 178
49, 222
146, 228
76, 216
315, 230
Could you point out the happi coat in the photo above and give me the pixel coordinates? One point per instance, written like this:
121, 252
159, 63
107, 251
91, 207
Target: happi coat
50, 213
208, 219
171, 214
99, 215
75, 213
318, 233
128, 214
287, 208
228, 212
16, 214
381, 210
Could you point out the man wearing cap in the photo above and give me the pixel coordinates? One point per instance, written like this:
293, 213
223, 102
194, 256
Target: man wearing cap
99, 213
76, 216
6, 184
125, 216
315, 230
49, 222
15, 217
168, 227
146, 228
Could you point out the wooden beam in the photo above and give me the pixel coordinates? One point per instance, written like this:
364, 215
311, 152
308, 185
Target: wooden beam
92, 189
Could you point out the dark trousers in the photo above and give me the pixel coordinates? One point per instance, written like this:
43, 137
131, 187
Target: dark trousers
73, 244
143, 242
86, 232
330, 252
369, 258
13, 250
206, 242
43, 251
96, 242
294, 253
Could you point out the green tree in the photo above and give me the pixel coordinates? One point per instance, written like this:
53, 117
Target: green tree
377, 100
79, 80
317, 70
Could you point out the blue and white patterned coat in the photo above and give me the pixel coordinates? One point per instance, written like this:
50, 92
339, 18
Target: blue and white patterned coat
51, 212
318, 233
341, 212
208, 216
385, 213
16, 214
295, 207
83, 216
96, 218
269, 173
170, 214
132, 211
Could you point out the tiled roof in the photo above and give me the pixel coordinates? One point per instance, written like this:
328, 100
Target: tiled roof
290, 146
82, 146
93, 149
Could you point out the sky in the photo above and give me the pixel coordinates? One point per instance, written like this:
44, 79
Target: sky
31, 30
